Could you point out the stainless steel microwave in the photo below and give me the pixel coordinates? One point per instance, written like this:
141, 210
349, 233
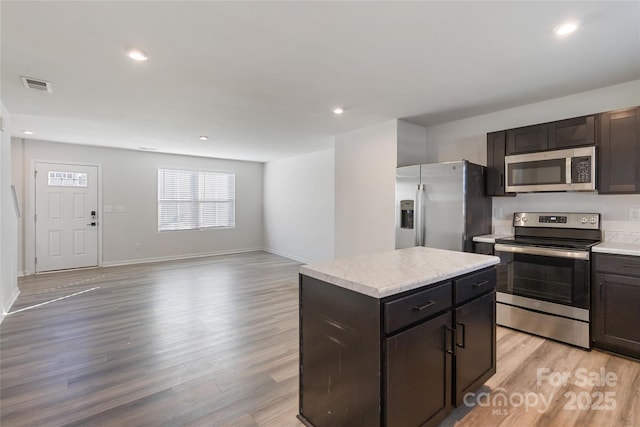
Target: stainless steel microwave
559, 170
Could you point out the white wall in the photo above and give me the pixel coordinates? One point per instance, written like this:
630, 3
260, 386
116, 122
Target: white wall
16, 176
8, 222
299, 206
412, 144
129, 178
467, 139
365, 173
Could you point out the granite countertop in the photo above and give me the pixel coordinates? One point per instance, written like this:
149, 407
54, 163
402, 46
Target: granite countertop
489, 238
388, 273
617, 248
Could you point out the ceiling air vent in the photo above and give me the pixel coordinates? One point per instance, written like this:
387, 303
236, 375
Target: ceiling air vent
31, 83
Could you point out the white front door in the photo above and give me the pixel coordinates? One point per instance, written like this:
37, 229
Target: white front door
66, 216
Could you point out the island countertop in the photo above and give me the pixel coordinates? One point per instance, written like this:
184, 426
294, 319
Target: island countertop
388, 273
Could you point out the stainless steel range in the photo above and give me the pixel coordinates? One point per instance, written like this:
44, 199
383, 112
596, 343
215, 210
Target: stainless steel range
544, 275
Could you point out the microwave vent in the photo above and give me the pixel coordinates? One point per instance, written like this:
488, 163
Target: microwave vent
36, 84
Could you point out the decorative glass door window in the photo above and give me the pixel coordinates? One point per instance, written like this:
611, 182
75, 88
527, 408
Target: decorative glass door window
67, 179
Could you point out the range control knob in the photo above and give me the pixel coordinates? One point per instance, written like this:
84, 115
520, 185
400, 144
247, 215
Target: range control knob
583, 220
516, 219
525, 219
593, 220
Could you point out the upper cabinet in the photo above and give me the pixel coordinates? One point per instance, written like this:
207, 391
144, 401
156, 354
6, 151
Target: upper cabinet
615, 133
570, 133
575, 132
619, 156
495, 184
527, 139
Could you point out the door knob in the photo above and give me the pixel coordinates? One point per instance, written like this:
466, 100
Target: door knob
93, 224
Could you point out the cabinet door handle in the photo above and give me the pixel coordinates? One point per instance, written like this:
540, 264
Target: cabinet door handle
501, 180
631, 265
601, 285
463, 335
447, 341
425, 306
480, 284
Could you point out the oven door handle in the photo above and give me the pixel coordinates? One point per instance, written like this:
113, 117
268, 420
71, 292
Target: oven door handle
531, 250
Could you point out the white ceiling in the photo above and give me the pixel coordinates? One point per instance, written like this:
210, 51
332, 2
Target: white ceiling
261, 78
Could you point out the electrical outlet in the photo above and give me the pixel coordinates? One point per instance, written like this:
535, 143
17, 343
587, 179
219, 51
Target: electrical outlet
497, 213
634, 214
138, 246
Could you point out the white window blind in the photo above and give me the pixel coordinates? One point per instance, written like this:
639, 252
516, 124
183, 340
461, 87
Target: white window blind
191, 199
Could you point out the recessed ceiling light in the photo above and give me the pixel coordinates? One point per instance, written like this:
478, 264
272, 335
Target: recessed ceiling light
28, 132
338, 110
566, 28
148, 148
137, 55
203, 137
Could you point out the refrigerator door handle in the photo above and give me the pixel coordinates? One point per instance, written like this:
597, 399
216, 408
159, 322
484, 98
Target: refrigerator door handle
420, 222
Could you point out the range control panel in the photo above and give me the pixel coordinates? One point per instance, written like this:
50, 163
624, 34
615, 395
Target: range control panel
590, 221
553, 219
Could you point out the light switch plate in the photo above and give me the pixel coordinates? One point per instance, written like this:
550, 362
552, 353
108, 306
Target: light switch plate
118, 208
634, 214
107, 208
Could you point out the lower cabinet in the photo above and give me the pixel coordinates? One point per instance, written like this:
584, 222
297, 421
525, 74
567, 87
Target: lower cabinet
616, 299
403, 360
418, 374
483, 248
475, 345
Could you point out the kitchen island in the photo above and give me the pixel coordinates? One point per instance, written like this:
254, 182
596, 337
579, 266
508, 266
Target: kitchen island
394, 338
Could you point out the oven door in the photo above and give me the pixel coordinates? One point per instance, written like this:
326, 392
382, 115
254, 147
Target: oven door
555, 275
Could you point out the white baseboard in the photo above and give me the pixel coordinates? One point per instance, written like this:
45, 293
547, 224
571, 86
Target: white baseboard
286, 255
175, 258
199, 255
12, 300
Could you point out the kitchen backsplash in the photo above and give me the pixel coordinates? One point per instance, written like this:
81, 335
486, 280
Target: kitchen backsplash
614, 210
502, 228
622, 237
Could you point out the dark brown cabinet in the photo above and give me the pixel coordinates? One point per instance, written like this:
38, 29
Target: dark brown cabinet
340, 355
616, 133
575, 132
417, 374
397, 361
619, 156
561, 134
616, 298
496, 150
527, 139
475, 352
568, 133
483, 248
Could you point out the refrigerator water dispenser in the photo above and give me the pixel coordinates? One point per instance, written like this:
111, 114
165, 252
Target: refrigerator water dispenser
406, 214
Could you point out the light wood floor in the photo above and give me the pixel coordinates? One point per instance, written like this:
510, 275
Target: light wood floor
214, 342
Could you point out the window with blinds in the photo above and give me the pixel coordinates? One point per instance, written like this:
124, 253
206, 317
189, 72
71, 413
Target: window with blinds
193, 200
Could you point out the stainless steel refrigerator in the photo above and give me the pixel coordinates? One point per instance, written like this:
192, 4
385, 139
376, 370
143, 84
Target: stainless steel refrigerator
441, 205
